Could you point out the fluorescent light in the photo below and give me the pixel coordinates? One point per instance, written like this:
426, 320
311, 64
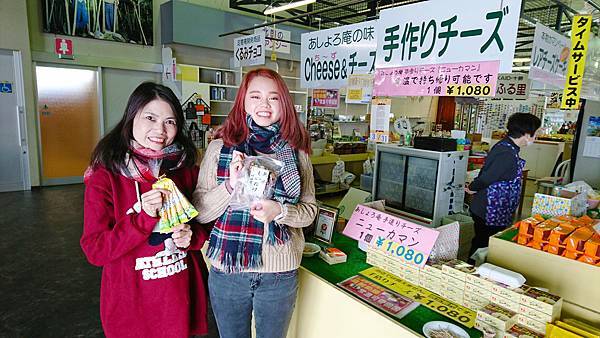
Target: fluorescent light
520, 68
288, 6
521, 59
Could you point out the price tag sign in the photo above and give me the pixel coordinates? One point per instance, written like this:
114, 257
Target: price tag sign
257, 180
409, 241
249, 50
427, 298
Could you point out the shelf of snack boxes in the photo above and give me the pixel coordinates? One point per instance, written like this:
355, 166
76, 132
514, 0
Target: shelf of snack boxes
557, 248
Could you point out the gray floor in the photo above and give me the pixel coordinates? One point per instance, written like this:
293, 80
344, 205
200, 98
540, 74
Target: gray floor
47, 288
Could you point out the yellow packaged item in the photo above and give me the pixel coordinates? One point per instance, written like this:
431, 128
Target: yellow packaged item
594, 333
582, 325
553, 331
176, 209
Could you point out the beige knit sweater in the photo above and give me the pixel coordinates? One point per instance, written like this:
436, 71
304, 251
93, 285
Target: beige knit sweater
211, 200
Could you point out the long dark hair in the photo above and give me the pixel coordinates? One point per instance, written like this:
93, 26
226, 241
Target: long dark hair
235, 130
111, 150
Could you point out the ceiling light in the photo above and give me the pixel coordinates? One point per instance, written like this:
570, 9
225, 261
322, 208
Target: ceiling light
521, 59
291, 5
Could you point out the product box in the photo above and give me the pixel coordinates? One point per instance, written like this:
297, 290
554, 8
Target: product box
477, 291
458, 269
455, 298
478, 281
333, 256
488, 330
497, 317
536, 315
505, 291
505, 302
431, 286
572, 280
548, 205
579, 327
542, 301
451, 281
475, 300
411, 278
433, 270
532, 324
519, 331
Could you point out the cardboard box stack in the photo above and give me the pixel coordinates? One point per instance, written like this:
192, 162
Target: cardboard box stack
564, 235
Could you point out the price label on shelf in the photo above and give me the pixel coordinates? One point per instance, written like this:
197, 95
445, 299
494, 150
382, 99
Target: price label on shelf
468, 90
249, 50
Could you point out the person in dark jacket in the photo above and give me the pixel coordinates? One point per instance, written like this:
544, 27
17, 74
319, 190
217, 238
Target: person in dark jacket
497, 189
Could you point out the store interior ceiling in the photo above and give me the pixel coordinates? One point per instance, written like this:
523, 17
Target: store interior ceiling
324, 14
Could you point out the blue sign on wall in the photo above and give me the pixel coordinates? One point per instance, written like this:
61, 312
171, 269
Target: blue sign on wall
6, 88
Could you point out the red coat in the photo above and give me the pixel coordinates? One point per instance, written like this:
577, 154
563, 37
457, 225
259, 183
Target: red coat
146, 291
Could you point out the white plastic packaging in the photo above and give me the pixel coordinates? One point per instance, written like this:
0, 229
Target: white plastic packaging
501, 275
256, 182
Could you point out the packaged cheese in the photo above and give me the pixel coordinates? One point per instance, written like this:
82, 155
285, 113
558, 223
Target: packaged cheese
576, 240
457, 269
531, 323
519, 331
543, 302
496, 316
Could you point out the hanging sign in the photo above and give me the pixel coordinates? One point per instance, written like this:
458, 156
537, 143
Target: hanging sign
512, 87
580, 35
428, 33
380, 120
326, 98
249, 50
549, 57
419, 294
452, 79
360, 88
279, 34
329, 57
408, 241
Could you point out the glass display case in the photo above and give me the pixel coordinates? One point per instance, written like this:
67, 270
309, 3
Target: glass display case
422, 185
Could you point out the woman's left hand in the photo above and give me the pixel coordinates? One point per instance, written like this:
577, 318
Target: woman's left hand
469, 191
182, 235
265, 210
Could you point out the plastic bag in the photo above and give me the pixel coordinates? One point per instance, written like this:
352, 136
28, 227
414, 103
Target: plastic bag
256, 182
176, 209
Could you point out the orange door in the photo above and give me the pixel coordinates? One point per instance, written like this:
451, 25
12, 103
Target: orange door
68, 107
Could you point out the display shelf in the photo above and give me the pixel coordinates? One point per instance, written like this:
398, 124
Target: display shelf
332, 158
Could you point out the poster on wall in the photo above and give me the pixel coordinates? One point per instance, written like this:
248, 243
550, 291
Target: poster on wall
512, 87
429, 33
360, 88
328, 57
113, 20
326, 98
549, 57
380, 121
592, 139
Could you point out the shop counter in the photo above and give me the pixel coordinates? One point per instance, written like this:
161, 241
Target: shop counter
325, 310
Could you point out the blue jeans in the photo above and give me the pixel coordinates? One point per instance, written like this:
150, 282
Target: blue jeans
234, 296
109, 16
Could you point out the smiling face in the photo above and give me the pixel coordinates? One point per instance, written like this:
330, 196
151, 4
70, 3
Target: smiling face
155, 126
263, 101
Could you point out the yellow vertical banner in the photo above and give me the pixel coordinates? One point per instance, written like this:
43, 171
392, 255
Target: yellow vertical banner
580, 34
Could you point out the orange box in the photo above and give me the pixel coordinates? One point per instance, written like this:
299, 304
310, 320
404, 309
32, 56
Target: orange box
542, 231
554, 249
523, 239
559, 234
588, 260
571, 254
576, 240
591, 248
536, 245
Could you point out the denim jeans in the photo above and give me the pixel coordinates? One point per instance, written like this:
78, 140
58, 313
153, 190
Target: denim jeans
271, 296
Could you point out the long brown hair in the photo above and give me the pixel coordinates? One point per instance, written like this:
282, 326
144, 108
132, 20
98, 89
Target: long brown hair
235, 130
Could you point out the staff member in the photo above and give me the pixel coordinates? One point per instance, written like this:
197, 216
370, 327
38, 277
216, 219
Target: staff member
497, 189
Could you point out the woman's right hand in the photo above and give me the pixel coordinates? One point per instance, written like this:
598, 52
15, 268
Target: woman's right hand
235, 167
152, 201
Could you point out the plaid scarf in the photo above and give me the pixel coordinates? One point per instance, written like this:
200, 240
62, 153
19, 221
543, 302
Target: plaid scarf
144, 165
236, 239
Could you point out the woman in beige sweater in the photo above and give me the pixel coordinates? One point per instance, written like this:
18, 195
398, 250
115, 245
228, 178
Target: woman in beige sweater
255, 253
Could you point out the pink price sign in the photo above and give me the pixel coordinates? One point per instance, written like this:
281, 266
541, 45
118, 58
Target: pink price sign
381, 230
450, 79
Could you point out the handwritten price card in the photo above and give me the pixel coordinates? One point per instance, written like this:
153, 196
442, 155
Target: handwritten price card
406, 240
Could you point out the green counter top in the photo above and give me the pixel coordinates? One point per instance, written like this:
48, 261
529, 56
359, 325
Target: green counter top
357, 262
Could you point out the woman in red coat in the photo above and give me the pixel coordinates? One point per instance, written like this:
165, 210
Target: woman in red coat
152, 283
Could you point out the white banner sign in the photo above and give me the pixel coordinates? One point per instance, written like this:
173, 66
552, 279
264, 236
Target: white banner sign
512, 87
432, 32
276, 45
249, 50
330, 56
549, 57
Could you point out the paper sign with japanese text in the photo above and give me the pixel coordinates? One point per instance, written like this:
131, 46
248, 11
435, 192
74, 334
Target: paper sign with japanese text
514, 86
326, 98
452, 79
377, 228
580, 35
428, 299
379, 130
360, 88
431, 32
549, 56
277, 45
328, 57
249, 50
